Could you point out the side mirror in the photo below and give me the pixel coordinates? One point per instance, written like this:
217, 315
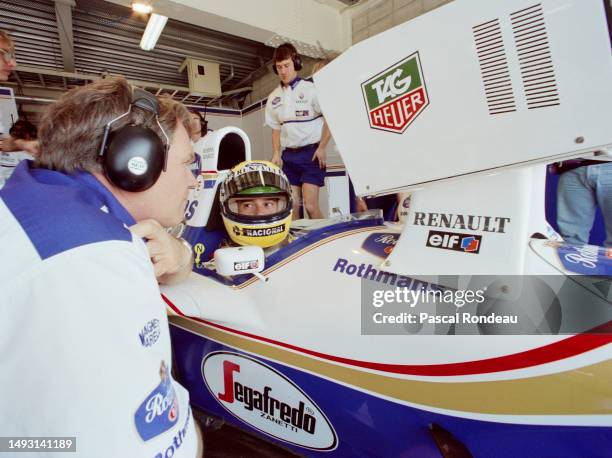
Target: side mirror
240, 260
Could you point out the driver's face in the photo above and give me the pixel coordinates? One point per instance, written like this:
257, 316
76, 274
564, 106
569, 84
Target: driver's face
258, 206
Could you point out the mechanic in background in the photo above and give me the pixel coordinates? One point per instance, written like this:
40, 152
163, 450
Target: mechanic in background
84, 333
7, 65
299, 130
584, 184
22, 130
199, 129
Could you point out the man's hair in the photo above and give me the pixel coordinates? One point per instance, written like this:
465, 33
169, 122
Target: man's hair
5, 37
23, 130
203, 121
284, 52
71, 129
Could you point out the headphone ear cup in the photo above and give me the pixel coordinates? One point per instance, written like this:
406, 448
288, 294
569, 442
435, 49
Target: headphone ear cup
297, 62
134, 158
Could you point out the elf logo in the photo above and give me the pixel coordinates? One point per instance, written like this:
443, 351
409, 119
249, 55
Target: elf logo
396, 96
267, 400
467, 243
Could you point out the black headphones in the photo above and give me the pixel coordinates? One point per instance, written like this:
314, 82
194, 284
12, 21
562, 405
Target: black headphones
295, 57
134, 156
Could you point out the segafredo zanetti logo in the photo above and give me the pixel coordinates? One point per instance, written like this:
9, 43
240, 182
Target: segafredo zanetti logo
267, 400
396, 96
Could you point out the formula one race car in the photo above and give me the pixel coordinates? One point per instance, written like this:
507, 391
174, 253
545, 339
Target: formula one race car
332, 346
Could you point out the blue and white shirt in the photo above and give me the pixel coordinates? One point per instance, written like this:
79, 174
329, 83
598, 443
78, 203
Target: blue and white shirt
295, 111
84, 333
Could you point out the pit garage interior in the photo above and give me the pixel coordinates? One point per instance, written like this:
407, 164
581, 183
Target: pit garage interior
216, 57
66, 43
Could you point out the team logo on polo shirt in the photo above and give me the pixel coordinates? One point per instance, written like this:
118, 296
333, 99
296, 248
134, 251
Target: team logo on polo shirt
150, 333
159, 411
396, 96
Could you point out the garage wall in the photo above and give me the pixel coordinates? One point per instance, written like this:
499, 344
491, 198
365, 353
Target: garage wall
218, 118
366, 20
379, 16
260, 135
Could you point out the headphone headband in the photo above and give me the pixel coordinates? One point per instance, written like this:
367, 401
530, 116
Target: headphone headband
294, 56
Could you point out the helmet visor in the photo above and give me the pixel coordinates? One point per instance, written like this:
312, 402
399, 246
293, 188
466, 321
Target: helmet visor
256, 179
258, 206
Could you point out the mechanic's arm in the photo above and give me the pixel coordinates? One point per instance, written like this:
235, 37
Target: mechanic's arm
276, 147
325, 135
8, 144
361, 204
321, 152
172, 258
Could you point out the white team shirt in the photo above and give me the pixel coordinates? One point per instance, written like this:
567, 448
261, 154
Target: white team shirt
295, 111
84, 338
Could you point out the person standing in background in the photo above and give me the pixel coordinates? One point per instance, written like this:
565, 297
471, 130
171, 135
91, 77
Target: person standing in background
299, 131
199, 129
7, 52
22, 131
7, 65
584, 184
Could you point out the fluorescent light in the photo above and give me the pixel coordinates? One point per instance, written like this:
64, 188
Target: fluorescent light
142, 8
153, 31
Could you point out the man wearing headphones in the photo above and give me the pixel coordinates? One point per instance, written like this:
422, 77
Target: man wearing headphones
84, 332
298, 128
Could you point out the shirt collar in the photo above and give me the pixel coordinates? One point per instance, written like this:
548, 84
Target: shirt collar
107, 199
293, 83
91, 190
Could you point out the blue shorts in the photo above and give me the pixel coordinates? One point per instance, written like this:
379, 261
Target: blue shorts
300, 168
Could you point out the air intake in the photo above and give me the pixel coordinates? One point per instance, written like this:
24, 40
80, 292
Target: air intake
494, 67
535, 60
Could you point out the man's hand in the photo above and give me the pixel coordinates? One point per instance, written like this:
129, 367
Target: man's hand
362, 206
321, 155
7, 144
171, 260
276, 159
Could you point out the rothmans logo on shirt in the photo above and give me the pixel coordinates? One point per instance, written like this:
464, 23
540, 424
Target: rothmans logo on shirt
396, 96
159, 411
276, 101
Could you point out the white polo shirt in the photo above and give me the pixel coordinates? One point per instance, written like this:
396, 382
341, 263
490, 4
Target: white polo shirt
295, 111
84, 333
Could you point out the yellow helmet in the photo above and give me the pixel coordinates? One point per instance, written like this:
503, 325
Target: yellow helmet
255, 203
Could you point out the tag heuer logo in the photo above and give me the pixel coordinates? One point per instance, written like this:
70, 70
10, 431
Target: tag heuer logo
396, 96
